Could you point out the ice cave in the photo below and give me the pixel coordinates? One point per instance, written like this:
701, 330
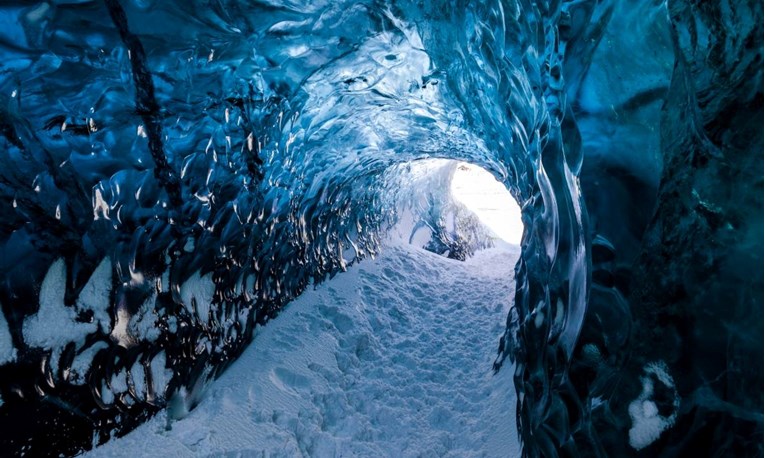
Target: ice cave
381, 228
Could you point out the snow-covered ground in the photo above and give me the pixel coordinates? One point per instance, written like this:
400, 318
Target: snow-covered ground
392, 358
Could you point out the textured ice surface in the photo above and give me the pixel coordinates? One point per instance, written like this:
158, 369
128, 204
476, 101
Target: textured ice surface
248, 150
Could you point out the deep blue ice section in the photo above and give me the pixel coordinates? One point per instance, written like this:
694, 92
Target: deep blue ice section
176, 171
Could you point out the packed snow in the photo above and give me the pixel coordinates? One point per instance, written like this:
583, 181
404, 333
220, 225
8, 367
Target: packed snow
392, 358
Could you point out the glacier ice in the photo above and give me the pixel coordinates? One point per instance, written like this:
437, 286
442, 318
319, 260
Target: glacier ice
175, 172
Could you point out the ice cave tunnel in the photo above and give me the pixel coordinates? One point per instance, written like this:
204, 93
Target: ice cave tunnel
180, 174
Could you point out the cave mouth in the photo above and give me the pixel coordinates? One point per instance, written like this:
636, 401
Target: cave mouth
484, 195
450, 207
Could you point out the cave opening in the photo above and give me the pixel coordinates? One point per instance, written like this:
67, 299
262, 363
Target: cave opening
452, 207
484, 195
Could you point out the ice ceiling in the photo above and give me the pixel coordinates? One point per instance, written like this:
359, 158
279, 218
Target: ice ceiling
176, 171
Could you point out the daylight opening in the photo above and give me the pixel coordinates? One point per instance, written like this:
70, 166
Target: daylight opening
491, 202
453, 208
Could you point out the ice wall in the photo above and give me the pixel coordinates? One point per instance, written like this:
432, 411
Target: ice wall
673, 185
702, 253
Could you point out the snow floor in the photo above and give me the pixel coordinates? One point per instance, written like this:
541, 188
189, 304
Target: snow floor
392, 358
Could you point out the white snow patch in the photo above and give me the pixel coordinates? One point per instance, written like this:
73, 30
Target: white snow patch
107, 397
131, 329
100, 207
421, 236
119, 382
117, 385
138, 378
160, 375
647, 424
95, 295
200, 290
164, 282
82, 362
120, 333
55, 325
143, 323
7, 352
392, 358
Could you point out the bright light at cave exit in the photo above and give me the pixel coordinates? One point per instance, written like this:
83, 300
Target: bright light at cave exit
480, 192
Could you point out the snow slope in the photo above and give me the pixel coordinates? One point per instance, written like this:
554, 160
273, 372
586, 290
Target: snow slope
392, 358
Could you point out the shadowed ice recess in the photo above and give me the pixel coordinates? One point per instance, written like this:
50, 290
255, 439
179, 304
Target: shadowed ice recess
176, 172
